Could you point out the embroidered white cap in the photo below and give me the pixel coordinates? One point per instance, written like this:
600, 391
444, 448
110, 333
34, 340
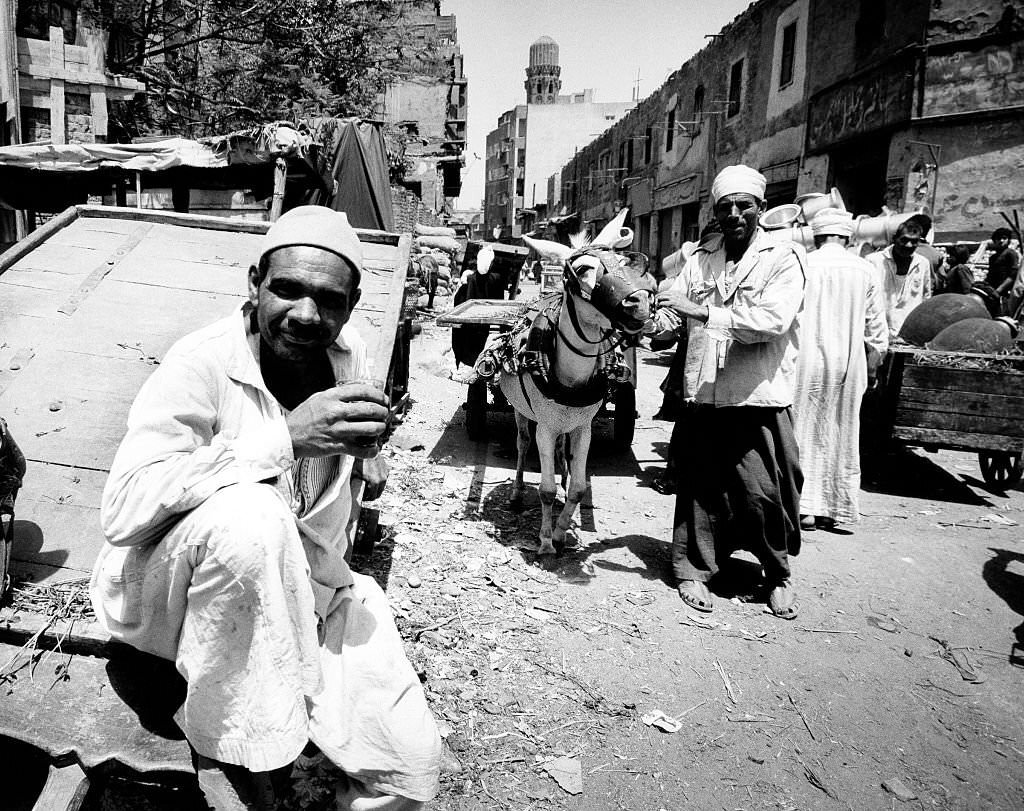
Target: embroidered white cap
318, 227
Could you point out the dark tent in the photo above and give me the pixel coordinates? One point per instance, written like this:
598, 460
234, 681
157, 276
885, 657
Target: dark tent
360, 169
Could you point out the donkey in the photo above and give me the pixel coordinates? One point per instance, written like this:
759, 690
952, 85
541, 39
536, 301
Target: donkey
605, 294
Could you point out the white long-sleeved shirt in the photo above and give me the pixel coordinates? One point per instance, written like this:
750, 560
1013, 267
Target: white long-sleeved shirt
746, 352
206, 420
901, 293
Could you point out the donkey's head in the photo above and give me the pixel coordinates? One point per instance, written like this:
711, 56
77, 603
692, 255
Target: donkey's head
616, 284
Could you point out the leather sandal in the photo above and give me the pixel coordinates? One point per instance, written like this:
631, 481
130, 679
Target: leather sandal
782, 601
808, 523
696, 595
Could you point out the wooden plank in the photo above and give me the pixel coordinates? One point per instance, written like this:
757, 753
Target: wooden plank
57, 527
181, 274
134, 322
122, 709
963, 402
73, 636
956, 440
126, 246
483, 311
94, 395
174, 218
391, 320
976, 380
65, 789
37, 237
970, 423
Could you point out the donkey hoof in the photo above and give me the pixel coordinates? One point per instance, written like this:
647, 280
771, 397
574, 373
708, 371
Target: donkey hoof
546, 547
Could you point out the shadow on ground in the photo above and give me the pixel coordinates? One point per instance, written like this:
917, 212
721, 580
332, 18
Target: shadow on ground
1008, 585
902, 472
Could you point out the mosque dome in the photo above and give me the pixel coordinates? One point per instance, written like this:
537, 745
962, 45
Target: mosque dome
543, 52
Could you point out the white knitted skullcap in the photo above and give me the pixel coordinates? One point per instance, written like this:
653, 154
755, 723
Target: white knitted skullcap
738, 179
832, 221
317, 227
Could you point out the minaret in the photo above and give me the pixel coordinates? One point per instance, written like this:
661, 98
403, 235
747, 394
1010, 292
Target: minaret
543, 81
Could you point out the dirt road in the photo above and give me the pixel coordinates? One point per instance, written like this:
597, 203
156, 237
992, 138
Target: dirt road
895, 687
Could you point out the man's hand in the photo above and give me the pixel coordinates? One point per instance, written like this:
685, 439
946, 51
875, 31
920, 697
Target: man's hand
348, 418
678, 301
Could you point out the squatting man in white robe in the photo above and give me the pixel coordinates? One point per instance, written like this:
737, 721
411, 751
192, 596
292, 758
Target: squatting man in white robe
843, 337
227, 516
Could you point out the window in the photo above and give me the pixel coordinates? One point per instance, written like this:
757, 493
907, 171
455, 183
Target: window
522, 127
870, 27
629, 153
648, 141
735, 88
788, 54
698, 103
622, 156
670, 130
521, 157
36, 16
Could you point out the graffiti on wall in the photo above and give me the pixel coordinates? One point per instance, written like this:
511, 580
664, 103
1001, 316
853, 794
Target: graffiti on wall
874, 101
985, 79
962, 19
975, 188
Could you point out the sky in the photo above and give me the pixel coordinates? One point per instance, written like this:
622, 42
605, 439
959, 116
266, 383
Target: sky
602, 45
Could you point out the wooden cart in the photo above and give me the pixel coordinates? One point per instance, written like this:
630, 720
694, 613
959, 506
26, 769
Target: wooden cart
89, 304
959, 401
499, 314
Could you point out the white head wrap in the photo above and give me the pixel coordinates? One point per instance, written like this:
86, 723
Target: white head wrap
832, 221
738, 179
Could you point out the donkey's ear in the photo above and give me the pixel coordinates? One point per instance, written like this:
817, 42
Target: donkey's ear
549, 249
613, 233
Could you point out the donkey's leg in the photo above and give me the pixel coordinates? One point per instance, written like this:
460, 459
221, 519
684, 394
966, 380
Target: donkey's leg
578, 446
561, 466
522, 449
546, 441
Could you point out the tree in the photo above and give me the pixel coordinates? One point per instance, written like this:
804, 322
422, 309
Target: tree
212, 66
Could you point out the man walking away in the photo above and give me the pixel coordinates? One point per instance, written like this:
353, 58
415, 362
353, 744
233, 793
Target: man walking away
843, 336
736, 456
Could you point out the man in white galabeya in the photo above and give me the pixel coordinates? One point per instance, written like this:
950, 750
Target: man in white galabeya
843, 337
227, 514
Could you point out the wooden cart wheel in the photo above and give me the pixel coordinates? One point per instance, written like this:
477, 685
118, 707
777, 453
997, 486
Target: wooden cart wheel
1000, 469
625, 416
476, 411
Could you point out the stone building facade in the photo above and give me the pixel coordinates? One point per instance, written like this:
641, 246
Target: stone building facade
430, 103
532, 140
64, 86
907, 105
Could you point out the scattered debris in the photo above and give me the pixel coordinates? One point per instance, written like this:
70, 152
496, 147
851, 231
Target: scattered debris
566, 771
995, 518
659, 720
725, 681
898, 789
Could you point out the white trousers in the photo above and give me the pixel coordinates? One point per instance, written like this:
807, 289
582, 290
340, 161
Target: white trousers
226, 595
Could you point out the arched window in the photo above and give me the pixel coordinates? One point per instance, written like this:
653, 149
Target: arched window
698, 103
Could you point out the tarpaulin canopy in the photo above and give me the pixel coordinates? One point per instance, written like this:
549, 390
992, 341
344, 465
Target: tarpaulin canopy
360, 168
147, 157
51, 177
